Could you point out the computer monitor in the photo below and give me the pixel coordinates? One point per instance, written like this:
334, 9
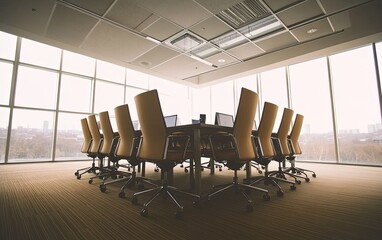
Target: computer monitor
223, 119
171, 120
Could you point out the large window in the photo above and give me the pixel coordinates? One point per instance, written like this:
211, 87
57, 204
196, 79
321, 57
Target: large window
274, 90
69, 137
311, 97
77, 99
76, 63
222, 99
40, 54
36, 88
7, 46
108, 95
4, 113
357, 106
32, 136
5, 82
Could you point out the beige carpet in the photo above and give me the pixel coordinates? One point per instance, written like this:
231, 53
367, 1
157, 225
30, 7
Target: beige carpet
46, 201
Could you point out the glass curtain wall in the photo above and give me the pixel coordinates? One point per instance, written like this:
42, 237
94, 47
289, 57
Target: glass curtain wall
356, 99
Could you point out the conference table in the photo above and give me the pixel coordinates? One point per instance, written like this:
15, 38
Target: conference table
197, 132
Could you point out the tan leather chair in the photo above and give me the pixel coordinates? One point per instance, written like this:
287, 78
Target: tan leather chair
109, 145
265, 148
127, 146
97, 139
280, 142
236, 148
86, 145
159, 146
295, 150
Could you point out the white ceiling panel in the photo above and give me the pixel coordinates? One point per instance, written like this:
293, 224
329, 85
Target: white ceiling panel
183, 67
300, 13
322, 28
162, 29
277, 5
246, 51
28, 15
155, 57
69, 26
331, 6
210, 28
221, 59
282, 40
117, 43
128, 14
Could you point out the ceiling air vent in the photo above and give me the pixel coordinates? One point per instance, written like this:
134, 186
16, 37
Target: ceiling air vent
244, 13
184, 41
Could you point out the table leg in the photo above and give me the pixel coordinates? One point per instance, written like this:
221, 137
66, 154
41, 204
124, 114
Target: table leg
197, 162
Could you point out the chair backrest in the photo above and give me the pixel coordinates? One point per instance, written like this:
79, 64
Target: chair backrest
107, 131
96, 135
126, 132
153, 126
223, 119
295, 133
171, 120
87, 136
265, 129
242, 129
283, 132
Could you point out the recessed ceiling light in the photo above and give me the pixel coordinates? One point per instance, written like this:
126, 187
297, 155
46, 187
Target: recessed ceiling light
312, 30
221, 60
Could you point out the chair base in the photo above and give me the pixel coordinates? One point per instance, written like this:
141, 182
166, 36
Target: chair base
132, 180
164, 190
239, 187
297, 172
92, 169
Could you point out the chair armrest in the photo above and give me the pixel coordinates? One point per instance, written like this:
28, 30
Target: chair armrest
257, 146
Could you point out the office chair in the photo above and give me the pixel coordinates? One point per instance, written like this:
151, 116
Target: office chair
265, 151
160, 146
109, 145
127, 146
236, 148
97, 139
295, 149
280, 142
86, 145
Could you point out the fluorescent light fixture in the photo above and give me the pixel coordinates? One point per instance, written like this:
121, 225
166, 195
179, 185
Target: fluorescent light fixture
202, 60
153, 40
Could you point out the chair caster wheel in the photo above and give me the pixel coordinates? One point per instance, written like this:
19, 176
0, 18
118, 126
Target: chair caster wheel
220, 169
293, 187
307, 180
314, 175
179, 214
249, 207
121, 195
280, 193
76, 173
144, 212
134, 201
202, 169
266, 197
78, 176
298, 181
90, 181
260, 172
186, 170
102, 187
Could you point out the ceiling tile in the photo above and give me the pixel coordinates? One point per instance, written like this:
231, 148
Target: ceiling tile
161, 29
128, 14
275, 42
28, 15
96, 6
300, 13
70, 26
183, 67
221, 59
210, 28
277, 5
117, 43
323, 28
155, 56
331, 6
340, 21
246, 51
183, 12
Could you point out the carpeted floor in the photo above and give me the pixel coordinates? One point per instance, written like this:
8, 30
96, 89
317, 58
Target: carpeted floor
46, 201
